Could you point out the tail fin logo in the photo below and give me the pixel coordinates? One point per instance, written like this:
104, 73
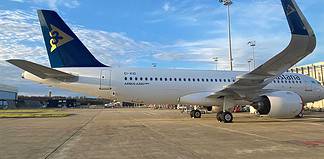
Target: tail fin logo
58, 38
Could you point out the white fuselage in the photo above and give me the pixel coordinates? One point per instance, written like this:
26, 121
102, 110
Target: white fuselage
166, 86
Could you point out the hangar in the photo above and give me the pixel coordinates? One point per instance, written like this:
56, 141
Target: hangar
8, 96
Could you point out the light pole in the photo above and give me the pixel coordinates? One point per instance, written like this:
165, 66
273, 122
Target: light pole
252, 44
228, 3
216, 60
249, 61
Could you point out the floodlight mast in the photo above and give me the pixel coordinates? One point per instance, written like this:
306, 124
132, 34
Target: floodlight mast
216, 61
228, 3
253, 44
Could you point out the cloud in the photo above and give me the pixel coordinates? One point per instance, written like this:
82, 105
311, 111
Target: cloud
20, 1
52, 4
166, 6
113, 48
71, 3
21, 38
186, 13
202, 51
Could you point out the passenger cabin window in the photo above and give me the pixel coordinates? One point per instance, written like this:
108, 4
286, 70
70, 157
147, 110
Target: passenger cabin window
125, 78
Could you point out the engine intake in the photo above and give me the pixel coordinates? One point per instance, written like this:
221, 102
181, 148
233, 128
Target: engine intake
282, 104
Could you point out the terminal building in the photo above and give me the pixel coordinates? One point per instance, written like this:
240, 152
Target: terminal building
316, 71
8, 96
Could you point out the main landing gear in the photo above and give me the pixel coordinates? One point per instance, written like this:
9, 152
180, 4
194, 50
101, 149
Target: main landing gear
195, 114
221, 116
225, 117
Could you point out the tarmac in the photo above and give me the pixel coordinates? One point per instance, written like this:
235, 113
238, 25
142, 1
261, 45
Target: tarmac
159, 134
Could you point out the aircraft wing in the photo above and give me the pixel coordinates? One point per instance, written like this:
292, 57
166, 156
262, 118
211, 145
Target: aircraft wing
42, 71
303, 42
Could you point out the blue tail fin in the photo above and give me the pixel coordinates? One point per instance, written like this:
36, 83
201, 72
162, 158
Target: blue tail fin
63, 47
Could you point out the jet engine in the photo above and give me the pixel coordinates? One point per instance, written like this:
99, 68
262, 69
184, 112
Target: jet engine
281, 104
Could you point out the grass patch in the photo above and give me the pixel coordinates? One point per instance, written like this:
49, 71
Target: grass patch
33, 113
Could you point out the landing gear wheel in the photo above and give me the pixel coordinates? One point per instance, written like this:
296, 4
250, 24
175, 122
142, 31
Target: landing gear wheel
218, 116
227, 117
197, 114
192, 113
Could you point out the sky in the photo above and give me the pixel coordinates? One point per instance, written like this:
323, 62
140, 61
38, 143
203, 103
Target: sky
184, 34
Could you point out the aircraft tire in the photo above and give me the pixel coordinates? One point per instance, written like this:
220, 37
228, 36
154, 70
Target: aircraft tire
227, 117
197, 114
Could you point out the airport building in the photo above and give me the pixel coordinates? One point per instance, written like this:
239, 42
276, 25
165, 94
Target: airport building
8, 96
316, 71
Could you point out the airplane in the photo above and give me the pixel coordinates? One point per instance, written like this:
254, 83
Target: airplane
269, 88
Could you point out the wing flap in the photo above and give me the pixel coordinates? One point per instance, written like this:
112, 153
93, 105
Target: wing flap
43, 71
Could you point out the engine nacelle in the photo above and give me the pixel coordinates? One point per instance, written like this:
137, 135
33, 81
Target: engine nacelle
281, 104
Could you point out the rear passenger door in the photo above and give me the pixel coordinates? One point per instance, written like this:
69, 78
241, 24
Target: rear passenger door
105, 80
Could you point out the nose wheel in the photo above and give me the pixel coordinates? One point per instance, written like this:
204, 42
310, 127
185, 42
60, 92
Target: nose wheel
225, 117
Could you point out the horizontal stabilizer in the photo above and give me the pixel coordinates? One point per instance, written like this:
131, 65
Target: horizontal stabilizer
43, 71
